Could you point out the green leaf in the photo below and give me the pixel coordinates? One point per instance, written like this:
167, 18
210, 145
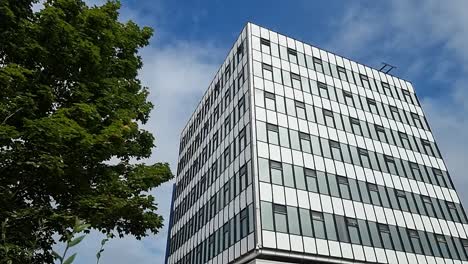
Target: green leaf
70, 259
80, 228
76, 241
104, 241
56, 255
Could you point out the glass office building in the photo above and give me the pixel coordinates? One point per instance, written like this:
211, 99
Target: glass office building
299, 155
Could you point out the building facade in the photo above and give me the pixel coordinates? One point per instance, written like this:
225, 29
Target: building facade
298, 155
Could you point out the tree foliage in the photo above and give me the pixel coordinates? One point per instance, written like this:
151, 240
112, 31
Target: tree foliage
71, 107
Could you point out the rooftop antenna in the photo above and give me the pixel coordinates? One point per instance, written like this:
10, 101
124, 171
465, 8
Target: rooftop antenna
386, 68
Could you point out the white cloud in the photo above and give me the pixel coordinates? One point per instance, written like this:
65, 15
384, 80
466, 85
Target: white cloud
177, 76
429, 38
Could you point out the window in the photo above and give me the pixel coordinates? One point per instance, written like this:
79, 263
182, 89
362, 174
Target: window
292, 55
381, 133
306, 224
227, 156
273, 135
453, 211
279, 214
243, 177
353, 230
391, 165
300, 110
227, 125
311, 180
276, 171
385, 235
227, 193
427, 147
365, 81
372, 106
335, 150
318, 224
395, 113
244, 223
267, 72
329, 119
364, 158
407, 96
296, 81
293, 221
226, 235
242, 140
374, 194
270, 102
227, 72
305, 142
241, 105
401, 196
323, 89
443, 246
240, 52
344, 187
267, 216
428, 206
318, 64
348, 97
265, 45
356, 126
386, 88
342, 73
405, 140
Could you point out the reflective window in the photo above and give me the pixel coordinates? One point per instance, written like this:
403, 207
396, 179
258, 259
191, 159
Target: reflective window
342, 73
453, 211
300, 110
318, 64
270, 102
284, 137
356, 126
341, 229
407, 97
322, 182
305, 142
292, 55
372, 106
348, 97
323, 90
381, 133
265, 46
428, 206
288, 175
267, 72
374, 194
306, 224
318, 224
329, 119
335, 150
279, 212
364, 232
365, 81
344, 187
401, 195
276, 172
244, 223
311, 179
364, 157
299, 178
353, 230
391, 165
443, 246
273, 134
427, 147
263, 170
386, 88
395, 113
296, 81
293, 221
267, 216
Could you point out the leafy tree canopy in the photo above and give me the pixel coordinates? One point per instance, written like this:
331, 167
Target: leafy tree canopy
71, 107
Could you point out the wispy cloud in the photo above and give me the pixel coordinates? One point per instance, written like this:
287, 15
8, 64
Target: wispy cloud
429, 39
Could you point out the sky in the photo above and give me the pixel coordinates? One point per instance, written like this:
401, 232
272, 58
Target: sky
426, 40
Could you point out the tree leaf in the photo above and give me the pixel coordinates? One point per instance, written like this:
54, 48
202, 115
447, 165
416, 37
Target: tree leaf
104, 241
70, 259
76, 241
56, 255
82, 227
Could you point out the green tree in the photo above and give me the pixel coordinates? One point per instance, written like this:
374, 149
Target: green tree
71, 107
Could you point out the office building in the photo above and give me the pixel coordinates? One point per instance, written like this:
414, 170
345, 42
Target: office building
299, 155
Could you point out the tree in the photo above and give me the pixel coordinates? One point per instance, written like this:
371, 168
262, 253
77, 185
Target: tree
71, 107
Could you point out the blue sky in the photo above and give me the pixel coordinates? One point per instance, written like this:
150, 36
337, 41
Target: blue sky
426, 40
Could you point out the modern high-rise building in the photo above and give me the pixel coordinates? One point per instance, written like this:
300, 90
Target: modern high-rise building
299, 155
